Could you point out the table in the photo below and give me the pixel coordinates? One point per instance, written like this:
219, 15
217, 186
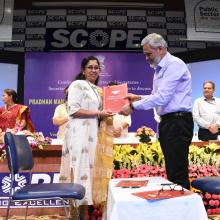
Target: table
122, 205
134, 141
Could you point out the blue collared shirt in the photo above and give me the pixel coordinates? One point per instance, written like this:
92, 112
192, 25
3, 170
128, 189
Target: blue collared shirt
172, 88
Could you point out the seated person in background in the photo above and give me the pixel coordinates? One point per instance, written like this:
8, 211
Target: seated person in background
206, 113
60, 116
120, 122
14, 117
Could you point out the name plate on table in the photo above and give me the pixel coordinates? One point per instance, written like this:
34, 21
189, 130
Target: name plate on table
132, 183
162, 194
114, 97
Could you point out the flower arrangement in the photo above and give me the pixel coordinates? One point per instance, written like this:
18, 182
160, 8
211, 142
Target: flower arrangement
36, 139
129, 161
144, 133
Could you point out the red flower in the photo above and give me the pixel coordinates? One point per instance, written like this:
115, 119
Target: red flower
216, 202
202, 169
208, 196
154, 169
161, 169
134, 171
211, 202
144, 167
214, 196
125, 171
209, 211
193, 168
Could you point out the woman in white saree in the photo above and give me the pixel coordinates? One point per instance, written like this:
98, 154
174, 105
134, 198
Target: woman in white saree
84, 109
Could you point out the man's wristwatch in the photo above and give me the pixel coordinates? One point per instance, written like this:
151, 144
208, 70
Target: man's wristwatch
131, 106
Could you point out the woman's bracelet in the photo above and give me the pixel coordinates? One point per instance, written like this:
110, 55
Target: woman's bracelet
98, 115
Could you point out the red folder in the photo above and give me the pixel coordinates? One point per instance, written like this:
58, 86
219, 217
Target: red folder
132, 183
114, 97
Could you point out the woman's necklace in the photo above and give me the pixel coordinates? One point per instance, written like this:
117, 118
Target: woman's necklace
94, 88
8, 109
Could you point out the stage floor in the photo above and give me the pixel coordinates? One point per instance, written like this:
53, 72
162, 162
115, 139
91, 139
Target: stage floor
34, 217
58, 217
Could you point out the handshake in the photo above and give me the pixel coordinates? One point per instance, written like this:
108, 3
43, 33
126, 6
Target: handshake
128, 108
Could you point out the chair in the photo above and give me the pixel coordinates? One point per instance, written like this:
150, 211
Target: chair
209, 184
19, 157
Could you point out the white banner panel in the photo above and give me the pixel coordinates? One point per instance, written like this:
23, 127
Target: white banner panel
6, 18
203, 20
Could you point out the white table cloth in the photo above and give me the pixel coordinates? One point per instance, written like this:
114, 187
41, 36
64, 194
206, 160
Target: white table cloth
122, 205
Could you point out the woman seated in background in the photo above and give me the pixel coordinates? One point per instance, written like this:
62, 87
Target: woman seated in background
13, 117
60, 117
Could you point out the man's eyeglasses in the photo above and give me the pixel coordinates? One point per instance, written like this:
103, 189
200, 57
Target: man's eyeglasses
93, 67
172, 187
147, 54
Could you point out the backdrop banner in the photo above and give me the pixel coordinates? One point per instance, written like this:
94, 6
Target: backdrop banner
203, 20
48, 73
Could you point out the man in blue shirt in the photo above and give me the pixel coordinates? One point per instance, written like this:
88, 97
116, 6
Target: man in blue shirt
172, 98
